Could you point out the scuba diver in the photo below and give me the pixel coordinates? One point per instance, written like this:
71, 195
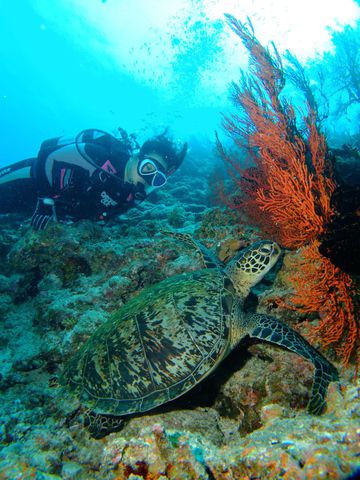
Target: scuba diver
93, 176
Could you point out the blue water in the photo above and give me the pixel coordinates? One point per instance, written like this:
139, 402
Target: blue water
61, 72
51, 83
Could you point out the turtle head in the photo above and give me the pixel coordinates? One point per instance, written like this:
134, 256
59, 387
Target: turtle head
251, 264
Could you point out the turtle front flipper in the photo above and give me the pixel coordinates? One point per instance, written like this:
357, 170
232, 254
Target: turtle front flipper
207, 257
272, 330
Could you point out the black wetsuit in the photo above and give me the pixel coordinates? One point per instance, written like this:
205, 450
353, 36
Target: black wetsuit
18, 190
83, 178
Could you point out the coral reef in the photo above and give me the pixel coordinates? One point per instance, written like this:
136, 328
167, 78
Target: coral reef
247, 419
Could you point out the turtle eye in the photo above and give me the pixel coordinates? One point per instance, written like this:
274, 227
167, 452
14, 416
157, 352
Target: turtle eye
266, 249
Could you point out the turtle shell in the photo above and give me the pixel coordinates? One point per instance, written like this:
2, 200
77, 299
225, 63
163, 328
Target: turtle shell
156, 347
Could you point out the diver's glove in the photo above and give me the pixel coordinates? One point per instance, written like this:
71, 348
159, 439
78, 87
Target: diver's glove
44, 213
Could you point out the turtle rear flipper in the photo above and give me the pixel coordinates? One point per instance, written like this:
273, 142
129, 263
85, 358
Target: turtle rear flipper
272, 330
99, 425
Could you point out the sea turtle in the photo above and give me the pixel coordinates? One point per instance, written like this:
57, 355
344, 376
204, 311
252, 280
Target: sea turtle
167, 339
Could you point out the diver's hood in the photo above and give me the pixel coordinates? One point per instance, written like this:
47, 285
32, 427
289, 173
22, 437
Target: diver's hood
176, 161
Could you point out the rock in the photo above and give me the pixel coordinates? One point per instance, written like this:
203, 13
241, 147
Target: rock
70, 470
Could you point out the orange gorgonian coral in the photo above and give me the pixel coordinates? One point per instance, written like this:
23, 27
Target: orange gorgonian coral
287, 190
321, 287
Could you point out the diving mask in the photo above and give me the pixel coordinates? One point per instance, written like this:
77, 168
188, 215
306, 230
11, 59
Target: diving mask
152, 172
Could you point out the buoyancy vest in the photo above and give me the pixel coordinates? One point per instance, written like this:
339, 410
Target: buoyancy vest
90, 149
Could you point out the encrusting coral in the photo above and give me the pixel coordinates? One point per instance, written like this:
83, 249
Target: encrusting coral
287, 191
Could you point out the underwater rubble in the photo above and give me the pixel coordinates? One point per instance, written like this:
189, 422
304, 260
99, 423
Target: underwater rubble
247, 421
